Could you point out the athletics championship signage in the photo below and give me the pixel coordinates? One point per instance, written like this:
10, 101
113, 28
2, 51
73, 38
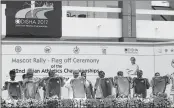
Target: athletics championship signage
33, 19
76, 57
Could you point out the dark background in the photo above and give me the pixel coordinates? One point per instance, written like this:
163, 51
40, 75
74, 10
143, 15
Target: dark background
54, 29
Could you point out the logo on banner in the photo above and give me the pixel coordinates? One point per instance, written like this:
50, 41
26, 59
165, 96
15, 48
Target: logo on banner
33, 14
172, 63
131, 51
47, 49
76, 50
104, 51
166, 50
172, 50
160, 50
18, 49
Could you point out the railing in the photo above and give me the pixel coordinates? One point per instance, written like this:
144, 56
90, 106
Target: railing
88, 9
145, 28
91, 27
155, 12
115, 10
155, 29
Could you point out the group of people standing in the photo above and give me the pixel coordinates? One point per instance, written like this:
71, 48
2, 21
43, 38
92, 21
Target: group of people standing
80, 87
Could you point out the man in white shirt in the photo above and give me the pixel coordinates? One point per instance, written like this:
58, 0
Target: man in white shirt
133, 68
68, 84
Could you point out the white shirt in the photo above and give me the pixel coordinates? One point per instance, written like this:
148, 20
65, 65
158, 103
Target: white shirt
132, 69
99, 92
70, 90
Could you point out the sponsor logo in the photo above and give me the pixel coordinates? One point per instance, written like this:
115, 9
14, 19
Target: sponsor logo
172, 63
76, 50
131, 50
160, 50
34, 16
104, 51
166, 50
17, 21
18, 49
142, 81
47, 49
172, 50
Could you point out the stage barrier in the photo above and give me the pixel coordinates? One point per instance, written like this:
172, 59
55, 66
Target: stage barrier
64, 57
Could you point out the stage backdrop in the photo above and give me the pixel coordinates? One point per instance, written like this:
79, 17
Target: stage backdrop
66, 58
33, 19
